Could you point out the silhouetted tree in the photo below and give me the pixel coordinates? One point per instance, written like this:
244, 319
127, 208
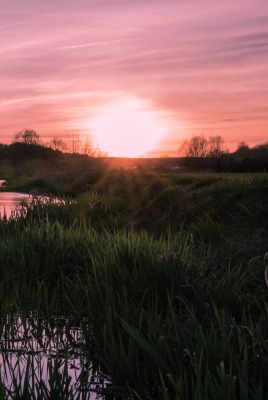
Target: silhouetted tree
74, 143
199, 147
58, 144
242, 149
183, 149
27, 136
88, 148
195, 147
215, 144
261, 151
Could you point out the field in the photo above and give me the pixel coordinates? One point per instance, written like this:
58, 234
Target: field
164, 273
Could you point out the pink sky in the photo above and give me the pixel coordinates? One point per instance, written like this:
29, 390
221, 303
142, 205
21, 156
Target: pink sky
196, 67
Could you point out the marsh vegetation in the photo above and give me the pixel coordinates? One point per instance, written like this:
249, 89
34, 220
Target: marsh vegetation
162, 275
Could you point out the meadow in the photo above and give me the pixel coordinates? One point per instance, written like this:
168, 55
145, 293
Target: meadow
164, 273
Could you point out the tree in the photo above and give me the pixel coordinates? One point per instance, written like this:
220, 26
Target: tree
28, 136
58, 144
75, 144
195, 147
243, 149
260, 151
88, 148
215, 146
242, 145
199, 146
183, 149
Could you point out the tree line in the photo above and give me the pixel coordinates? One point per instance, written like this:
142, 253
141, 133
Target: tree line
74, 143
200, 153
200, 146
28, 155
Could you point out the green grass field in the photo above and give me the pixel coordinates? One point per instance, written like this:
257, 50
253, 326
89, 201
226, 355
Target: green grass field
167, 270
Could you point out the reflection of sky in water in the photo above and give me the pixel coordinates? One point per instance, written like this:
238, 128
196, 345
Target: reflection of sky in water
16, 204
10, 202
46, 349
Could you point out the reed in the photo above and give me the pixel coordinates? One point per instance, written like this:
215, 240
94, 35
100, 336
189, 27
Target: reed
166, 283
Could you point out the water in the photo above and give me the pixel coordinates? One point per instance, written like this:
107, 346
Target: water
11, 203
48, 358
14, 204
47, 355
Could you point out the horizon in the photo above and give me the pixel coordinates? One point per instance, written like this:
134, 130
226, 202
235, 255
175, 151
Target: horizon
68, 148
139, 78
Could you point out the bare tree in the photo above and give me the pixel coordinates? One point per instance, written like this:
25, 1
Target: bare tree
101, 153
199, 146
58, 144
28, 136
215, 146
75, 143
88, 148
183, 149
195, 147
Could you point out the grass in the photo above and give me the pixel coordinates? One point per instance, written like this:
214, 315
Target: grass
164, 274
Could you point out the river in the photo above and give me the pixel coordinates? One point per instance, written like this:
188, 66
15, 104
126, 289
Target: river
10, 203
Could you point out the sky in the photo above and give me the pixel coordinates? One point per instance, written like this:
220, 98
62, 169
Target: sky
138, 77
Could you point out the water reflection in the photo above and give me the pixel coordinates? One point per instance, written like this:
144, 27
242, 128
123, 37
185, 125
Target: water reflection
10, 201
47, 357
13, 205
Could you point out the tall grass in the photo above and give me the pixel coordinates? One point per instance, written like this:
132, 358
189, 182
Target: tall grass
159, 279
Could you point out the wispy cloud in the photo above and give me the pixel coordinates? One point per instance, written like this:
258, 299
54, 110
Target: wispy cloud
205, 65
90, 44
12, 24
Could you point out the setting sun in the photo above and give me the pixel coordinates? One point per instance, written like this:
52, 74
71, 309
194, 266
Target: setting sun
127, 128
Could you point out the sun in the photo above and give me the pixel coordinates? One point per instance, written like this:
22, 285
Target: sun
127, 128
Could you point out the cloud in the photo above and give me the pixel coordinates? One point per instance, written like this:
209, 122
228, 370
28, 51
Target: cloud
204, 64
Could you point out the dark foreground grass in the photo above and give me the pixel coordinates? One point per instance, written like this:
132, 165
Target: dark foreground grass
165, 275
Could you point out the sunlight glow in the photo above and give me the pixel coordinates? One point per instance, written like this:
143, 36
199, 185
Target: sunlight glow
127, 128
